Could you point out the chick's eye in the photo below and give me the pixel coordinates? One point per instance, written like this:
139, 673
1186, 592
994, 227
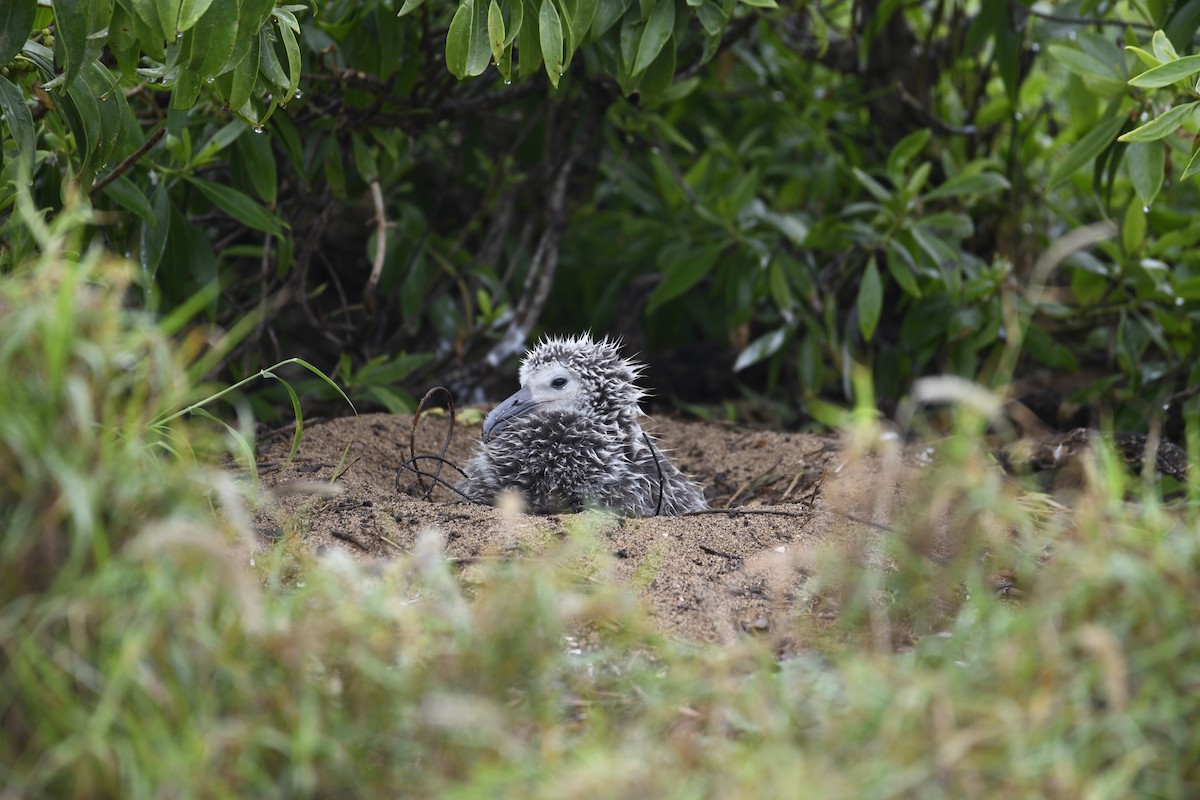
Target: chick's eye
558, 383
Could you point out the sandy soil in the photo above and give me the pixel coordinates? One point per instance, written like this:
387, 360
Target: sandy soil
709, 577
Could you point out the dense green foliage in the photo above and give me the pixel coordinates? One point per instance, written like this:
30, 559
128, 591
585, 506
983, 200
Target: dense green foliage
813, 185
142, 656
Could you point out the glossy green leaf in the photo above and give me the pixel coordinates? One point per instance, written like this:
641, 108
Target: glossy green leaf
458, 41
245, 75
1147, 59
551, 37
82, 29
168, 16
495, 22
1163, 49
516, 18
292, 48
1161, 126
16, 20
1146, 161
760, 3
1091, 145
712, 18
239, 206
1167, 74
528, 41
870, 300
410, 6
212, 39
20, 122
659, 28
190, 12
608, 14
479, 54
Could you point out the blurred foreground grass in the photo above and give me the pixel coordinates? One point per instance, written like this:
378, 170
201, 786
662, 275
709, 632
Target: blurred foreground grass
142, 656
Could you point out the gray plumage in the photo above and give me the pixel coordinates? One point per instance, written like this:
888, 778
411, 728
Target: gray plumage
570, 438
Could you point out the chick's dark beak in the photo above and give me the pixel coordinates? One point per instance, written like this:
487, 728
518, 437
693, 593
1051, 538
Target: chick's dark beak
520, 403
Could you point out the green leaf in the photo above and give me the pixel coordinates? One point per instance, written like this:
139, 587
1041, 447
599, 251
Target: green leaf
551, 36
901, 267
682, 267
1192, 168
190, 12
224, 137
761, 348
153, 234
495, 23
168, 16
1163, 49
1148, 60
1146, 161
528, 42
960, 185
1091, 145
516, 18
1167, 74
761, 3
82, 29
212, 39
712, 18
608, 13
16, 20
1161, 126
657, 32
257, 162
458, 41
20, 124
410, 6
479, 55
292, 48
903, 152
126, 193
658, 78
239, 206
870, 300
873, 186
245, 76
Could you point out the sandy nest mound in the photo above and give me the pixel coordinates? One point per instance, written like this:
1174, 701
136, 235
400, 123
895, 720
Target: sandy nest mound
708, 577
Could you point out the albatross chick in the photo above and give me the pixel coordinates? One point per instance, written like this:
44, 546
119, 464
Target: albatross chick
570, 438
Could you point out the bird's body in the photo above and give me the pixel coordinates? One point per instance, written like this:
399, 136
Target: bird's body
570, 438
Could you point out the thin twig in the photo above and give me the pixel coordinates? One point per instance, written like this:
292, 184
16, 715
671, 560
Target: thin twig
658, 464
412, 440
712, 551
345, 537
128, 162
